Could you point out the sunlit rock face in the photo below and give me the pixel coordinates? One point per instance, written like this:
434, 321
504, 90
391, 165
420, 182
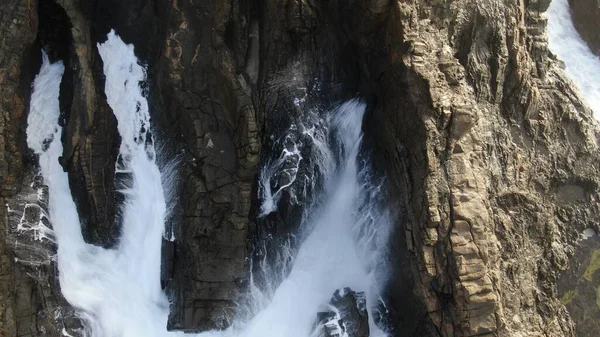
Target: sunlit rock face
488, 149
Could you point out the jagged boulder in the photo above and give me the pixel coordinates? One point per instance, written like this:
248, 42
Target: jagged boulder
347, 315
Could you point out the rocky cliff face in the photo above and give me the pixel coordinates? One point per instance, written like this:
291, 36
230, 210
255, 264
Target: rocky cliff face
502, 178
491, 155
30, 301
578, 286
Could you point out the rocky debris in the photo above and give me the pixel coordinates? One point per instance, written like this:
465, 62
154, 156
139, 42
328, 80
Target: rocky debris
347, 315
585, 14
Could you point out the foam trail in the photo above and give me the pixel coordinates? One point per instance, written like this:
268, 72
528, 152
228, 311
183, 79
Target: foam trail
582, 66
280, 174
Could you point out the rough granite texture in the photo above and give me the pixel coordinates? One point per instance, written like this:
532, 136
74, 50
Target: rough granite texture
491, 156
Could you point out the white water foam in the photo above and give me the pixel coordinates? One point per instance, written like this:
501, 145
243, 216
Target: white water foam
331, 257
117, 291
286, 165
582, 66
277, 176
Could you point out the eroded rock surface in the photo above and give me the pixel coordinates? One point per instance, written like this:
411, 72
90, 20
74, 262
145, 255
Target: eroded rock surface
348, 315
487, 145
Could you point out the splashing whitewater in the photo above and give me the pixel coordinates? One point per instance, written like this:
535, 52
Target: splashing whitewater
117, 291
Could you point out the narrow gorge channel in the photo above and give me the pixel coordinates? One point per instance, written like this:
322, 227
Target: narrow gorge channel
230, 168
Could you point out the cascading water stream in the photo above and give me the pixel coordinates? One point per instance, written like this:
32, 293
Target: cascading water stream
330, 257
582, 66
117, 291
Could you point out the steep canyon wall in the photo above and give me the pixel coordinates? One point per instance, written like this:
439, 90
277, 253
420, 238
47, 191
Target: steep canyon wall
490, 154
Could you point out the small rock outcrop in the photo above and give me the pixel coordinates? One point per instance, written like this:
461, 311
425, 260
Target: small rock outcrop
347, 316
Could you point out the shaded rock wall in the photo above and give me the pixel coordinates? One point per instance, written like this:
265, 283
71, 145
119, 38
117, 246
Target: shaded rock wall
90, 138
17, 34
578, 287
208, 108
585, 14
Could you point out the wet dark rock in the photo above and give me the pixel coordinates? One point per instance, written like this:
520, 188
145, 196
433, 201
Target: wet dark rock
347, 316
18, 62
39, 304
585, 14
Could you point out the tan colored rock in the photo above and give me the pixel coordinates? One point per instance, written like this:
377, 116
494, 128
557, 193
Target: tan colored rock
497, 142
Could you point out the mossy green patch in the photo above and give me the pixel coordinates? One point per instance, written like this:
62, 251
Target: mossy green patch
593, 266
568, 297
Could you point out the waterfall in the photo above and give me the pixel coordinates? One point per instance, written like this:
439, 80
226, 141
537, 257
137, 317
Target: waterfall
117, 291
345, 245
582, 66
